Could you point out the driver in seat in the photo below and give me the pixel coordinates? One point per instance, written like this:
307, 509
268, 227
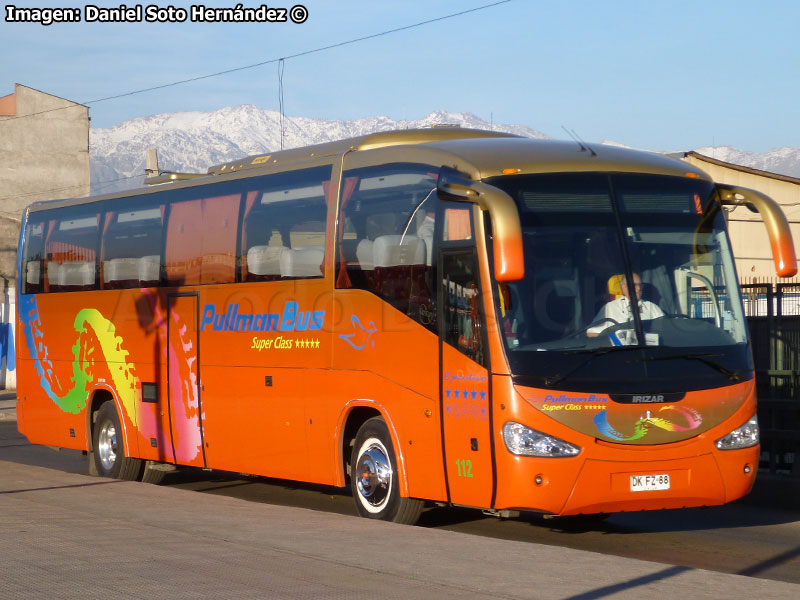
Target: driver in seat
619, 310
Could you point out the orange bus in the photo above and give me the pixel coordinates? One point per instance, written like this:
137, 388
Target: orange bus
444, 316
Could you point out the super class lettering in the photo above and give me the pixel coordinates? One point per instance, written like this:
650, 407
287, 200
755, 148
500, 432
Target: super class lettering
290, 319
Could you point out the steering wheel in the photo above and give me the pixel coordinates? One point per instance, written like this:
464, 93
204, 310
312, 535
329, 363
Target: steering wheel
603, 331
628, 325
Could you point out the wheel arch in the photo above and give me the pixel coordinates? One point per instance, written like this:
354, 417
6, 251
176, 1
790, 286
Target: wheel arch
353, 416
97, 397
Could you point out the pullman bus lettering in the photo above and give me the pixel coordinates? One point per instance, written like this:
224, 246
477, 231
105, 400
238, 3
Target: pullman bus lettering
291, 319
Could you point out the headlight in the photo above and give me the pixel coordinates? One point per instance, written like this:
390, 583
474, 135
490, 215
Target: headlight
529, 442
743, 437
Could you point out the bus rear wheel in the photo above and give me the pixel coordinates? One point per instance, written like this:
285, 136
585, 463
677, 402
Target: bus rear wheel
373, 472
108, 446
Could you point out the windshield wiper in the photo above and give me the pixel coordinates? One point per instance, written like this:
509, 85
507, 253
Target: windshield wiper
703, 358
592, 354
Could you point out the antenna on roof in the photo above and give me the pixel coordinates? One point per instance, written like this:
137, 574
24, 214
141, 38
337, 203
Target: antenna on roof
586, 145
281, 66
576, 138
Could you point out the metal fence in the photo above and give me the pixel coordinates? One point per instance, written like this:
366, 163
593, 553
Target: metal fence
773, 318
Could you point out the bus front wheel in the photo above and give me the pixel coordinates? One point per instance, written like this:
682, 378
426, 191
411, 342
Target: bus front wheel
373, 472
108, 446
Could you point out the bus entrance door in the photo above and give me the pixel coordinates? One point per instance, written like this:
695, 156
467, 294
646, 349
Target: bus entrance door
185, 410
465, 392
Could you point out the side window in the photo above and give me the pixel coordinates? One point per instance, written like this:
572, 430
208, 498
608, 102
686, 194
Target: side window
283, 232
461, 298
184, 248
71, 249
386, 243
201, 239
132, 245
457, 224
33, 256
220, 223
462, 310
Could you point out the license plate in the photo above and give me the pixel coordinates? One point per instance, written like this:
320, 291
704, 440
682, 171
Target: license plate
649, 483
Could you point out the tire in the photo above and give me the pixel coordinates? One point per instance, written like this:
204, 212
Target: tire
373, 469
152, 475
108, 447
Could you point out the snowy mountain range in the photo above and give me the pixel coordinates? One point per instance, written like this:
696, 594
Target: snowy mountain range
193, 141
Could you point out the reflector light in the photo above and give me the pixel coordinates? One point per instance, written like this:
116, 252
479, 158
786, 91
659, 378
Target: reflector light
510, 171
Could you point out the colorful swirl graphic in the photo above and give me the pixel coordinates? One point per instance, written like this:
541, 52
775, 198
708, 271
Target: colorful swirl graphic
96, 337
181, 357
97, 341
645, 423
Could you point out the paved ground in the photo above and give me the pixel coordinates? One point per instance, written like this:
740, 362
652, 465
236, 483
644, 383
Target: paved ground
8, 406
72, 536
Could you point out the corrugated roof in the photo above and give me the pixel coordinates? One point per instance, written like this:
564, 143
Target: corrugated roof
741, 168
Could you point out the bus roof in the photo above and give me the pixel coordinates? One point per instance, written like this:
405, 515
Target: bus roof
489, 153
493, 157
381, 139
479, 153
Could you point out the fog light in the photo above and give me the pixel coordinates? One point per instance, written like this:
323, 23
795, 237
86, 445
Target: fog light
539, 480
747, 469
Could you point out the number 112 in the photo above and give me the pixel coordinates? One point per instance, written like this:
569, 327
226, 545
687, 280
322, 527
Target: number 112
464, 468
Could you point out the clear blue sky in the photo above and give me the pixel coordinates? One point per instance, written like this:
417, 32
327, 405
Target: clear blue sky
662, 75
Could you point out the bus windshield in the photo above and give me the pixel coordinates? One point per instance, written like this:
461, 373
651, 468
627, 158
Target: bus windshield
589, 241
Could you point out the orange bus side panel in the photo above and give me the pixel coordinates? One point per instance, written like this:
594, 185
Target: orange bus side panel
389, 361
254, 419
412, 420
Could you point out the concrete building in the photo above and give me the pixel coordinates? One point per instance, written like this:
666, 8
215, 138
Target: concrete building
44, 154
748, 235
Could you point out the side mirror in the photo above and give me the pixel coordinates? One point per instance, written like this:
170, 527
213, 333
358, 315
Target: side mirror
780, 236
509, 262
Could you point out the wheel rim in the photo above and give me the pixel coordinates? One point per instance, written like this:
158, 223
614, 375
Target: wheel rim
107, 447
374, 476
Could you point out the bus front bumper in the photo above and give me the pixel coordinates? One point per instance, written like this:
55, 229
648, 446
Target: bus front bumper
603, 486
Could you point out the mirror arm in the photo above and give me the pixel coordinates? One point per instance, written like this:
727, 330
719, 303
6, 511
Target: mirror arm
509, 264
780, 235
